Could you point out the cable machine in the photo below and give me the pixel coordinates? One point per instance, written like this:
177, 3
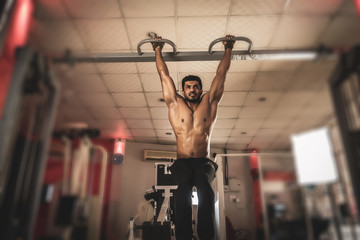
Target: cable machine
25, 133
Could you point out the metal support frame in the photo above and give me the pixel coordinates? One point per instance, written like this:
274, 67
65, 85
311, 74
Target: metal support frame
287, 54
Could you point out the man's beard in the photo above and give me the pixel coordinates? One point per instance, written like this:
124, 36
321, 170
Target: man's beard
194, 100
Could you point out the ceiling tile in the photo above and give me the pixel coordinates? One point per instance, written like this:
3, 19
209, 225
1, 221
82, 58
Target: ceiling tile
279, 65
225, 123
143, 132
116, 67
93, 8
96, 99
313, 6
135, 113
236, 146
218, 140
165, 133
159, 112
152, 82
272, 81
255, 99
228, 112
114, 124
284, 112
67, 70
240, 140
199, 32
153, 140
248, 123
242, 131
75, 114
122, 82
257, 7
68, 98
316, 111
342, 32
49, 9
218, 145
239, 81
153, 99
308, 81
150, 67
56, 36
145, 8
301, 124
105, 113
198, 67
254, 112
139, 27
139, 123
269, 132
100, 35
162, 124
295, 98
244, 66
276, 123
129, 99
231, 99
305, 34
87, 83
259, 29
203, 7
216, 133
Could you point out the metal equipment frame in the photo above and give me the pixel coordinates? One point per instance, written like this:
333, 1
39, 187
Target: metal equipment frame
271, 54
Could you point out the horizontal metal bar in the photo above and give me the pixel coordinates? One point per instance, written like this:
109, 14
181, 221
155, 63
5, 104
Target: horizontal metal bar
297, 54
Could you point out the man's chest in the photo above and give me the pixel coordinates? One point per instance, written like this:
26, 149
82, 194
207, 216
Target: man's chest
187, 119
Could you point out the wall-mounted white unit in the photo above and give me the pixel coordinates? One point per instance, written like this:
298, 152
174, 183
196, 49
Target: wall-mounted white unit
156, 155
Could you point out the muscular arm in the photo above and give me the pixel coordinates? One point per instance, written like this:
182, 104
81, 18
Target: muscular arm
217, 86
169, 92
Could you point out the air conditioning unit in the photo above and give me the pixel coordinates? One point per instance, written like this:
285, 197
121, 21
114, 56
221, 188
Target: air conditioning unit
156, 155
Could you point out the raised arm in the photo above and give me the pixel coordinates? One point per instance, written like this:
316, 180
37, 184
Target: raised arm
217, 87
168, 86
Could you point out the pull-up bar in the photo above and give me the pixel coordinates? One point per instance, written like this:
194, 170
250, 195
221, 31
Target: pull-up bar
272, 54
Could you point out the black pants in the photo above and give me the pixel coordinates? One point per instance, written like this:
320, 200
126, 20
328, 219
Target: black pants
191, 172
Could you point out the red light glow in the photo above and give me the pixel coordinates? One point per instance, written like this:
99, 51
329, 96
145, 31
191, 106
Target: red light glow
357, 4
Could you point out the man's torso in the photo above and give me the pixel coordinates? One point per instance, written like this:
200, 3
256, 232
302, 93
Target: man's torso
192, 128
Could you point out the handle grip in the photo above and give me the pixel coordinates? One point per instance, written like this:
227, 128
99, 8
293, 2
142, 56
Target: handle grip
234, 39
152, 41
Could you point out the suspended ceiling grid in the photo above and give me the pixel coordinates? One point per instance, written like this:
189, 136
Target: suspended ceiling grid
264, 101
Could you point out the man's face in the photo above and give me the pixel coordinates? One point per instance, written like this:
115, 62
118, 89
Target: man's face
192, 91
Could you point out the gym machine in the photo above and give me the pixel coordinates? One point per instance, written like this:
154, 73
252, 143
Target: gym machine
162, 225
25, 134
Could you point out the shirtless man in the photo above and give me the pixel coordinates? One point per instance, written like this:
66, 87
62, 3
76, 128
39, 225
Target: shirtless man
192, 118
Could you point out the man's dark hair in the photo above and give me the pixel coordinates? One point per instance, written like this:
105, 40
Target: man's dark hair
191, 78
